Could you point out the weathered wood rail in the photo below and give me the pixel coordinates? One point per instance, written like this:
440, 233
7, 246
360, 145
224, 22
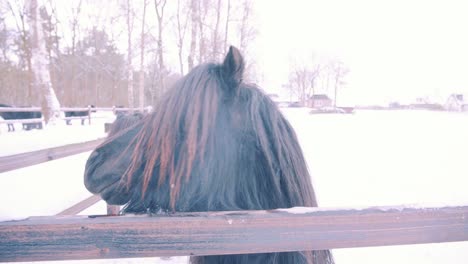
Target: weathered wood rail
79, 207
18, 161
215, 233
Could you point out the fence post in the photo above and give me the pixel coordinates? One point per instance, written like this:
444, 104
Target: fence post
89, 114
113, 209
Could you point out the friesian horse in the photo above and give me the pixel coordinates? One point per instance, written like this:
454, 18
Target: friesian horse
213, 143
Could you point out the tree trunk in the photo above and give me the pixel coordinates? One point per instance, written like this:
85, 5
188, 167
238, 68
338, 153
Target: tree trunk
181, 37
131, 99
244, 30
201, 48
40, 64
193, 41
226, 30
25, 46
159, 6
141, 92
215, 32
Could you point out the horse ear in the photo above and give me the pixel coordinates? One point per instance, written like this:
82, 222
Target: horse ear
233, 67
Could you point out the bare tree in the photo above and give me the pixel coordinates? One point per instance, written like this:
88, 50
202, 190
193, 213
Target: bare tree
159, 5
246, 31
203, 8
339, 73
246, 34
19, 12
130, 20
194, 14
40, 62
215, 43
303, 78
4, 35
226, 29
181, 30
74, 24
75, 27
141, 90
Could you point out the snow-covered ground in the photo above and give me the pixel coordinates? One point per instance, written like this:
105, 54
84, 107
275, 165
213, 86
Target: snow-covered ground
367, 159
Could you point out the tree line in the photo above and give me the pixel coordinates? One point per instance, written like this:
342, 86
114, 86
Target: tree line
316, 75
75, 53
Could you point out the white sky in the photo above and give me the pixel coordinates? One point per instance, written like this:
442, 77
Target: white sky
395, 49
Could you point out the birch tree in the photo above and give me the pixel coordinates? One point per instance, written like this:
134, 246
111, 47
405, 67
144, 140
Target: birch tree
40, 62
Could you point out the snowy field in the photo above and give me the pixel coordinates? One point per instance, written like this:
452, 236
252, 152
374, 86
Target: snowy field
371, 158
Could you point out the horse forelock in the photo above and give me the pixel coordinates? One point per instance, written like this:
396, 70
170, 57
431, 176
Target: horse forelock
200, 126
176, 134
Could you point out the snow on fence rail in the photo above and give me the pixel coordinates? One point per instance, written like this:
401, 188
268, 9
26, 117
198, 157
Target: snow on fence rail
88, 109
18, 161
217, 233
29, 109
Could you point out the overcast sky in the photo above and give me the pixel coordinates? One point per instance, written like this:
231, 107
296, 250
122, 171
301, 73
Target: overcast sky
396, 50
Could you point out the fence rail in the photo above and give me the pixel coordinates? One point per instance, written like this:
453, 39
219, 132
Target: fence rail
80, 109
23, 121
217, 233
19, 109
79, 207
29, 109
22, 160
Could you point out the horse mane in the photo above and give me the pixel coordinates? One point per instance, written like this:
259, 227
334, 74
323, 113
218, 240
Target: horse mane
181, 130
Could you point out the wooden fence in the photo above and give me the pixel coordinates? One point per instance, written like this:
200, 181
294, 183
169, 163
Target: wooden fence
66, 237
216, 233
18, 161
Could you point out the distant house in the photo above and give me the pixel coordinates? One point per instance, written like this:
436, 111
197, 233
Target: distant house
319, 101
456, 102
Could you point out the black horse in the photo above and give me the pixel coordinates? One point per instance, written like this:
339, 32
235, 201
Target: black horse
21, 115
82, 114
213, 143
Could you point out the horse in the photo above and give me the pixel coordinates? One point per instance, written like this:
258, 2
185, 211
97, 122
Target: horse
213, 143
